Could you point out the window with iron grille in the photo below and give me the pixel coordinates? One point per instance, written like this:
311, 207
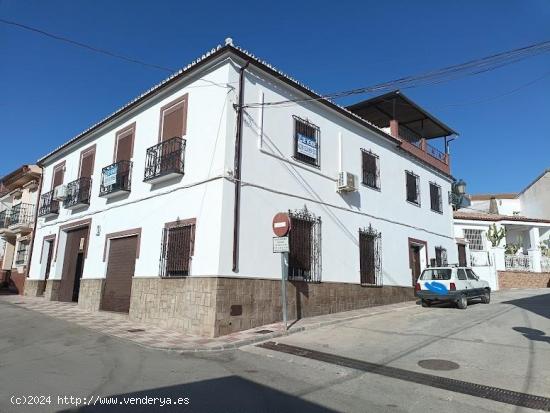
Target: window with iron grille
436, 201
177, 249
304, 258
370, 256
22, 252
306, 142
371, 169
440, 257
474, 238
413, 187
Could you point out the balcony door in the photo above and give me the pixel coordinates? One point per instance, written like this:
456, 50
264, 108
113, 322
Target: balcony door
173, 124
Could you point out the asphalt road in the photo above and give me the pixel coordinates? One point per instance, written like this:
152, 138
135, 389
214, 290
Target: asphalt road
505, 344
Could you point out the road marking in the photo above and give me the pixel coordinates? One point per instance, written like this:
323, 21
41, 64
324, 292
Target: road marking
458, 386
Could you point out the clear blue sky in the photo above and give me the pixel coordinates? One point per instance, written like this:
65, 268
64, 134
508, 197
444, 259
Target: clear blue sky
50, 91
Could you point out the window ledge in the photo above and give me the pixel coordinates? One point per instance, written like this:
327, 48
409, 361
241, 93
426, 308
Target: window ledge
371, 187
416, 204
316, 166
436, 211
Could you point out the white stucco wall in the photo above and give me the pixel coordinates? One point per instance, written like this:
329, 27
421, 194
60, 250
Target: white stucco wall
273, 182
196, 195
535, 200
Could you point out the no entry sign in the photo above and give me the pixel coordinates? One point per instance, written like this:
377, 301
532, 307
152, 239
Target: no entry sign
281, 224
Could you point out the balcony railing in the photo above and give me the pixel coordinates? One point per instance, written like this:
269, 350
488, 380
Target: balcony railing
48, 206
78, 193
517, 262
165, 160
116, 178
21, 214
436, 153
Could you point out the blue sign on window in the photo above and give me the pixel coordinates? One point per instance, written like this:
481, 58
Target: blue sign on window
307, 146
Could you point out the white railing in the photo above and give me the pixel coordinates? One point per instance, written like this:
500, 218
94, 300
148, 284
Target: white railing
518, 262
480, 259
545, 264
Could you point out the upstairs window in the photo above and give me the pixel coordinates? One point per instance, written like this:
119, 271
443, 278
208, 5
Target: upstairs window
413, 188
87, 158
22, 252
371, 169
173, 119
306, 142
124, 143
436, 201
474, 238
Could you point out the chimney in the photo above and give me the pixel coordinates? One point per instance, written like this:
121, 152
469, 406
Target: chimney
493, 207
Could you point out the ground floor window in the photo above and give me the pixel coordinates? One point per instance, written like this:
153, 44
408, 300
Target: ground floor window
370, 257
440, 257
305, 246
22, 252
178, 240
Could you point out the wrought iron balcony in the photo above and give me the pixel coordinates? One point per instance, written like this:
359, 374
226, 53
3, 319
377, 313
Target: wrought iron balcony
116, 179
21, 218
165, 160
78, 193
48, 206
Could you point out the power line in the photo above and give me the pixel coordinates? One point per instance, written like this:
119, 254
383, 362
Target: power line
87, 46
470, 68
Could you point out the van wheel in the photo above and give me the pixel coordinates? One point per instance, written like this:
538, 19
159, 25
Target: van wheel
462, 302
426, 303
486, 297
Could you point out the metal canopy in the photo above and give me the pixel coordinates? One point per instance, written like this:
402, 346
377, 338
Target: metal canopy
395, 105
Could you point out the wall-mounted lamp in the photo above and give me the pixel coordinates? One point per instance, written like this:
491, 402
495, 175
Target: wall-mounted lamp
98, 230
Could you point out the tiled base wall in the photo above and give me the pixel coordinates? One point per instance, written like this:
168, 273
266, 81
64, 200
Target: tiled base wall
34, 288
18, 280
52, 290
218, 306
89, 295
260, 300
184, 303
515, 279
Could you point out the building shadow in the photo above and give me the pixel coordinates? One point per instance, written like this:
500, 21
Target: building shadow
533, 334
226, 394
538, 304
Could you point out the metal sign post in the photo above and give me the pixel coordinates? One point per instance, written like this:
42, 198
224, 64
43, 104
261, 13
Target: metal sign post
284, 266
281, 227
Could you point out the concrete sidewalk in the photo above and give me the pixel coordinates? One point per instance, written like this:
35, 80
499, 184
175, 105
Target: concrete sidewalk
120, 326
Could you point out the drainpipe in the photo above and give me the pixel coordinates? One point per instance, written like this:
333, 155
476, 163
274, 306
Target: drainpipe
237, 170
40, 180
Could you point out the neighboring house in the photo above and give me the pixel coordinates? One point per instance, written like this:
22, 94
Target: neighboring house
18, 200
164, 208
525, 217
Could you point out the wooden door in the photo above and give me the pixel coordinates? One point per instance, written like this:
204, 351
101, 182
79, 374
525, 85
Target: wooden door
415, 262
73, 264
462, 255
120, 271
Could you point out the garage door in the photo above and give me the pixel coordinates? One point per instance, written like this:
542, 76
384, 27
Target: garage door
120, 270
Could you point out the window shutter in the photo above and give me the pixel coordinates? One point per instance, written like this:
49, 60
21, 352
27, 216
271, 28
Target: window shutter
174, 121
58, 176
87, 165
124, 147
370, 170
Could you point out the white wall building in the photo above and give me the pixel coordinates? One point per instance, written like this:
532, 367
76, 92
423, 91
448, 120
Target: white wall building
164, 208
525, 217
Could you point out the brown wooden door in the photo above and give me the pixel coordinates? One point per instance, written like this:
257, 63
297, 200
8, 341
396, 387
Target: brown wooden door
415, 262
462, 255
73, 264
120, 270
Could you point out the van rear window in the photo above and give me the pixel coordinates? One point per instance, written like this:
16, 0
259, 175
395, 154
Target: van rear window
437, 274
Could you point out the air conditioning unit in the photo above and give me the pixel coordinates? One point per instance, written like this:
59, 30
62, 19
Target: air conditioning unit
346, 182
60, 193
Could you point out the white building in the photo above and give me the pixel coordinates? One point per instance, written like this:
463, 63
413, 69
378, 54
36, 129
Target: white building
525, 248
167, 204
